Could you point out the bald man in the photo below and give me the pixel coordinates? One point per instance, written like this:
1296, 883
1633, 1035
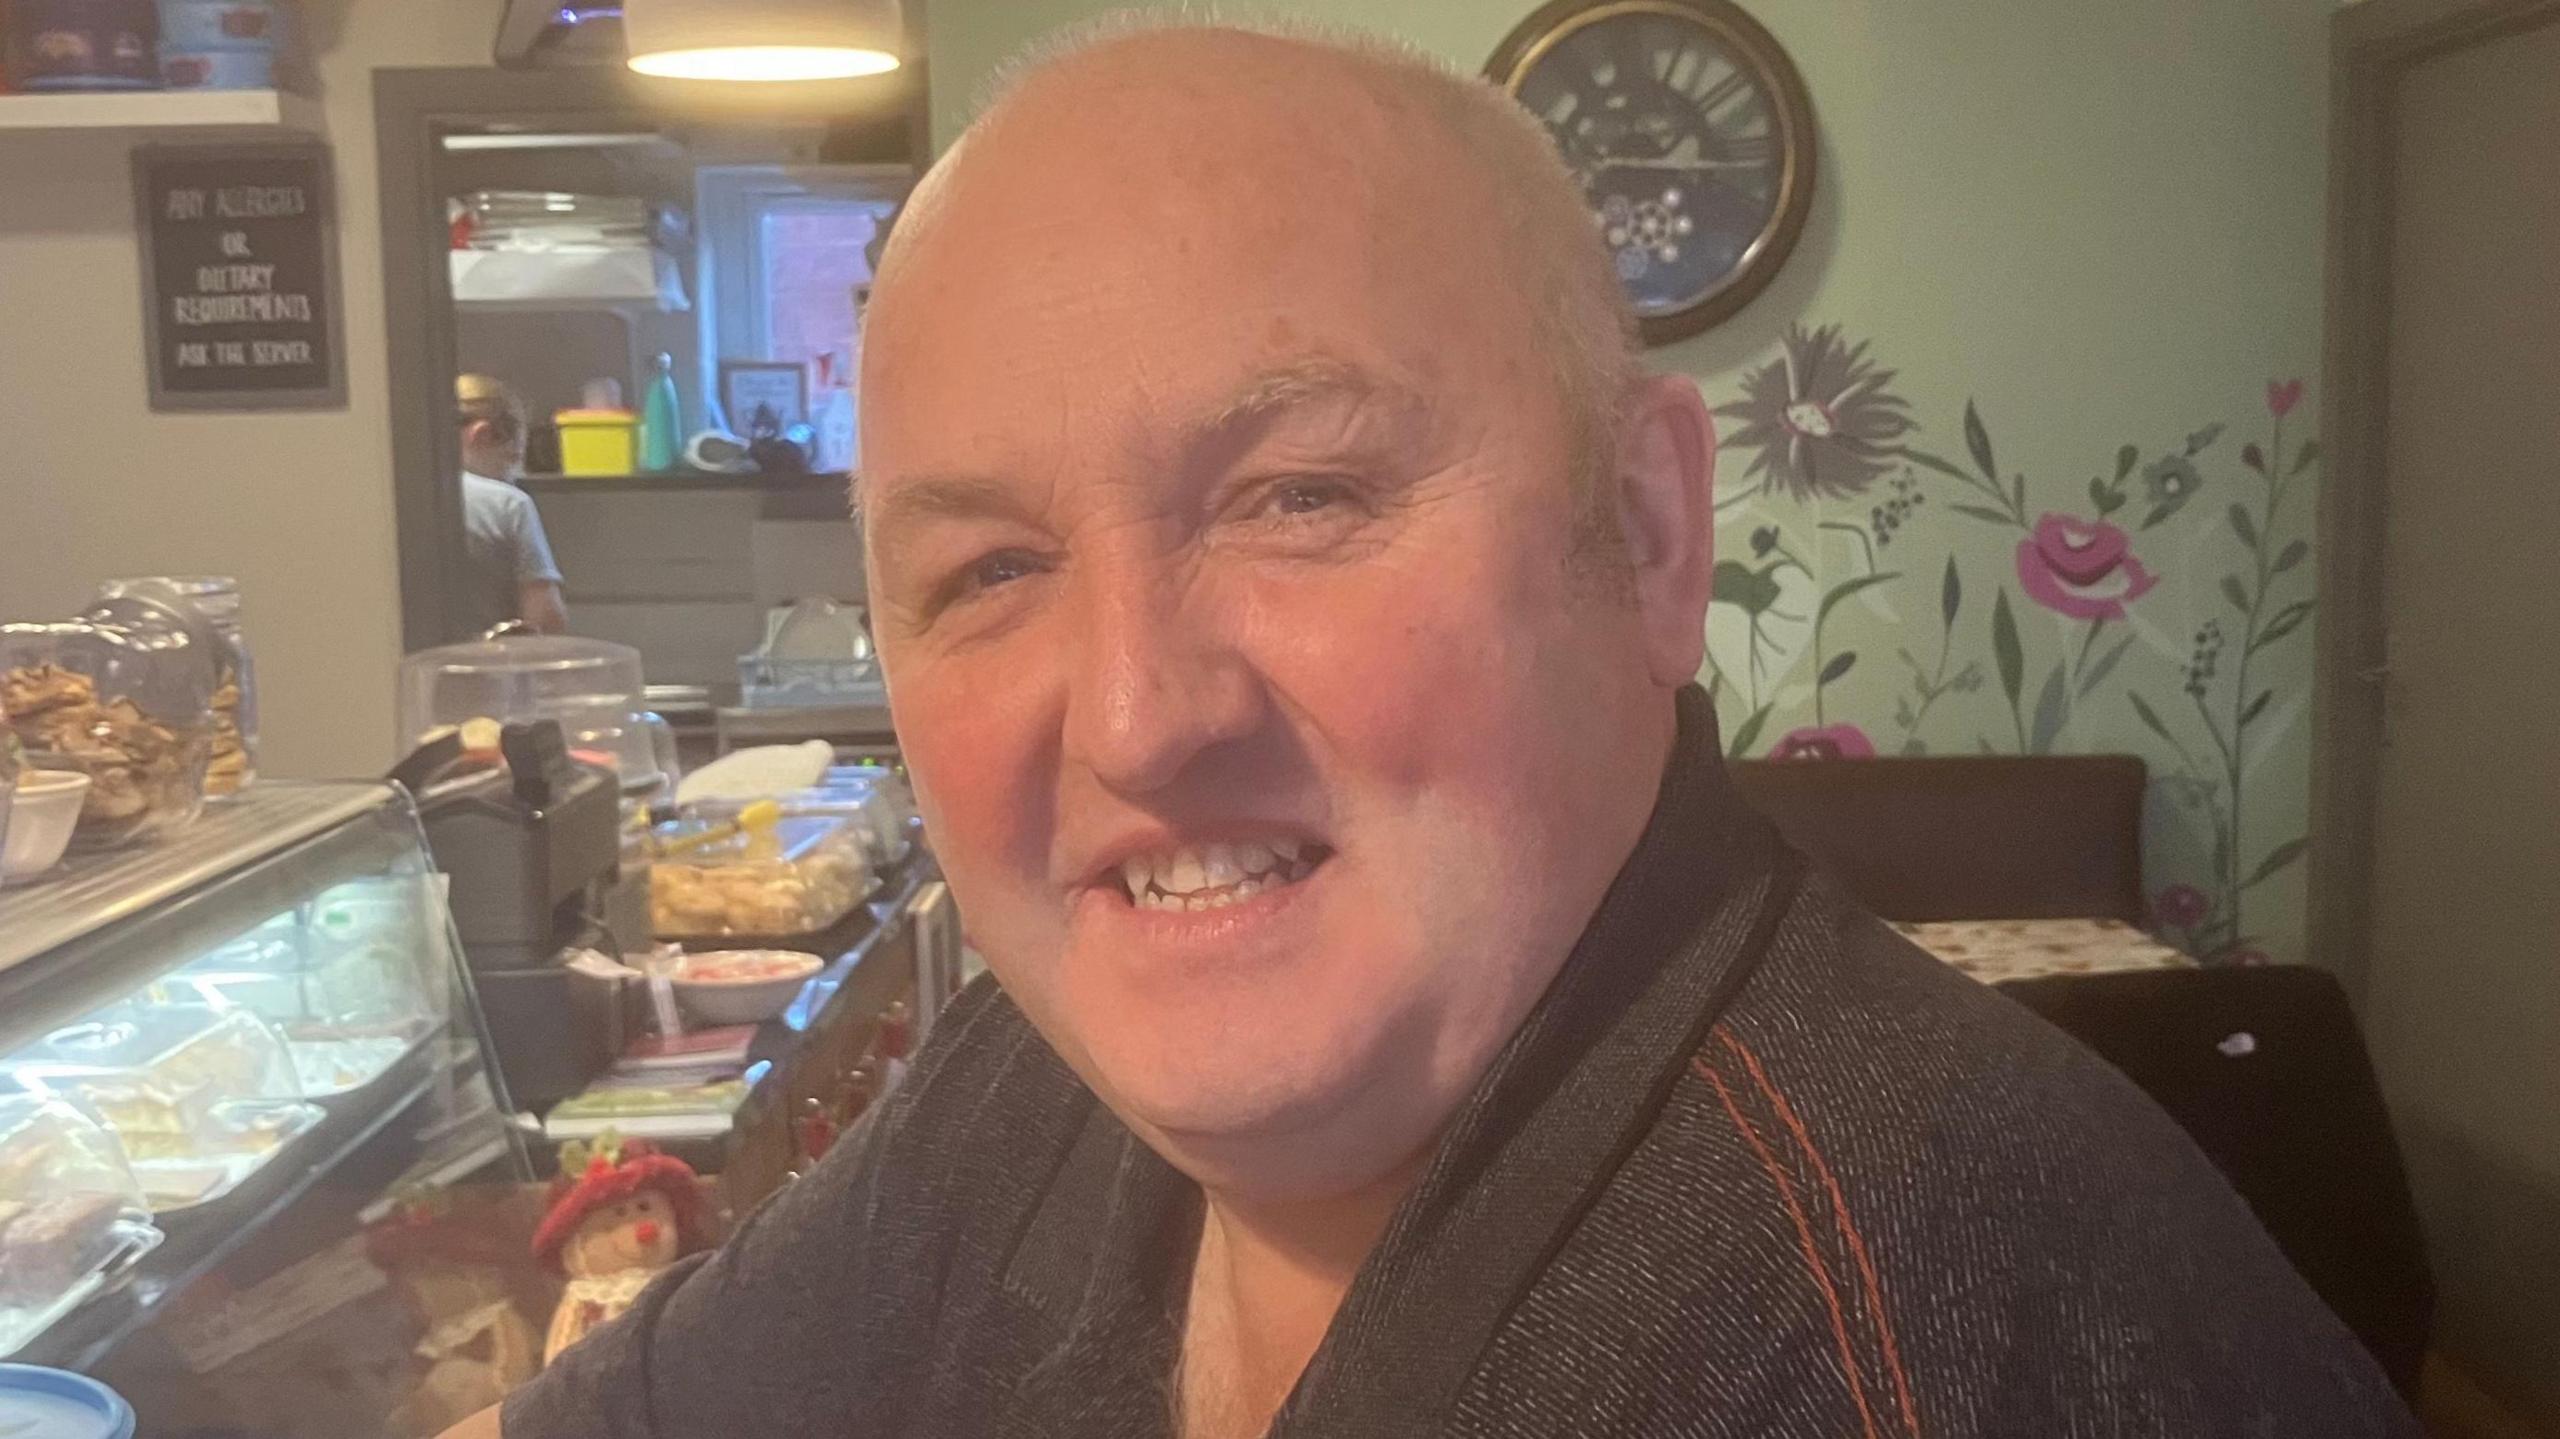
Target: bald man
1292, 594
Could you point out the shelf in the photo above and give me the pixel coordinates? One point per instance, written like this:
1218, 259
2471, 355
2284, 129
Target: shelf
159, 110
96, 891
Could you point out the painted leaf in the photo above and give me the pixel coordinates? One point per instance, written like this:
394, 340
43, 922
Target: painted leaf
2052, 708
1848, 587
1749, 734
2235, 592
2256, 707
2018, 493
2201, 438
1928, 461
1839, 665
1984, 512
2126, 459
1754, 649
2105, 666
2099, 495
2006, 649
1950, 594
2294, 554
1738, 584
2149, 716
2243, 526
1978, 440
2277, 858
2287, 620
2308, 456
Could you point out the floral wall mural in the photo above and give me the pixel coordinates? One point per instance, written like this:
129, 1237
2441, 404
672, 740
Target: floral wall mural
1887, 588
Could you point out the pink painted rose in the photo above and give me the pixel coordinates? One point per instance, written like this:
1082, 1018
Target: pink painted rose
1831, 741
2181, 906
2282, 396
2080, 568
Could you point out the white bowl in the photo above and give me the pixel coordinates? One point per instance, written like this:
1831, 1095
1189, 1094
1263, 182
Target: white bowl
41, 819
742, 1001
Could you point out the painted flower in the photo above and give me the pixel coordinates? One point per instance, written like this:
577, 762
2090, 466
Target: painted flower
2181, 906
2169, 482
1832, 741
2080, 568
2282, 396
1818, 422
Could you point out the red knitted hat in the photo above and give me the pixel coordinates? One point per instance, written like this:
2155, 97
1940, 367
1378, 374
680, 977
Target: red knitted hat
614, 1174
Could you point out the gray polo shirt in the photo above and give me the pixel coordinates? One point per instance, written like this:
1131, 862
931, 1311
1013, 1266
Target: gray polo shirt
504, 548
1755, 1168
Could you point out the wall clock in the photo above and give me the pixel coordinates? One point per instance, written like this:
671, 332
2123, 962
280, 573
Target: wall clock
1693, 138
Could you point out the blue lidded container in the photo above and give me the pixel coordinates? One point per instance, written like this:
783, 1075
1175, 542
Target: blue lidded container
220, 44
58, 1404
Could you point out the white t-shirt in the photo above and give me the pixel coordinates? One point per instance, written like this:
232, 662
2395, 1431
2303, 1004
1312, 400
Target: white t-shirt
503, 540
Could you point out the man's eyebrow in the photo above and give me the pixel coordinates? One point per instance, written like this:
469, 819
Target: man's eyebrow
1285, 387
934, 496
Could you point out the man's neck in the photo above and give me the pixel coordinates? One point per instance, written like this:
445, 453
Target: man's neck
1264, 1289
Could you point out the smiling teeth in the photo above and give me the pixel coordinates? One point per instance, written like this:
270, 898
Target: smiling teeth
1211, 876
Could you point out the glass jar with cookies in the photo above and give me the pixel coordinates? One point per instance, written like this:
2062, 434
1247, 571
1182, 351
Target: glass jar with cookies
124, 695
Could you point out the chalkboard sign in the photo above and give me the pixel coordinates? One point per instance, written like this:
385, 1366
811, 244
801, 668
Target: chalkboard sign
239, 277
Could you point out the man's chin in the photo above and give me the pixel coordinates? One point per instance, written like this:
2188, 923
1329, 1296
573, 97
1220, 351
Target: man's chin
1279, 1132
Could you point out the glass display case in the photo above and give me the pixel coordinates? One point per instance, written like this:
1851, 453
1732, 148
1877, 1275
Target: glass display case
224, 1059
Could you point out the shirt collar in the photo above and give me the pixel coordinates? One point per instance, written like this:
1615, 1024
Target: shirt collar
1674, 938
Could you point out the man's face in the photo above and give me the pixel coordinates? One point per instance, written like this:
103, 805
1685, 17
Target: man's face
1220, 540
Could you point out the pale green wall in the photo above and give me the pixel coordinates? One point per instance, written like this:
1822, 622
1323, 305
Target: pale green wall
2099, 222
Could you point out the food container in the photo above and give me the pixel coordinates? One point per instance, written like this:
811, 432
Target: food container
598, 442
239, 25
124, 694
218, 69
199, 1097
742, 986
592, 688
40, 1403
70, 1213
84, 44
773, 884
234, 761
40, 819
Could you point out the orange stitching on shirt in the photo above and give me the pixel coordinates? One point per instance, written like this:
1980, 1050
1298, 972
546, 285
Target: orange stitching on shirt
1848, 1227
1804, 1240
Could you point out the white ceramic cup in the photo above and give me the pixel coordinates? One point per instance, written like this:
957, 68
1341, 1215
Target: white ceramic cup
41, 819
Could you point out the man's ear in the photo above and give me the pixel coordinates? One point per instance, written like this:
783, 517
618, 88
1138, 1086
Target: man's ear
1666, 510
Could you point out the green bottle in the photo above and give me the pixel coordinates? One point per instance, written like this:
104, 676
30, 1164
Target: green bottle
659, 422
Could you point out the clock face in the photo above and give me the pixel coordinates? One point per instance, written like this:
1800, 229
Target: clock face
1690, 134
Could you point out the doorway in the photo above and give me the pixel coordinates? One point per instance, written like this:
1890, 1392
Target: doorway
2436, 793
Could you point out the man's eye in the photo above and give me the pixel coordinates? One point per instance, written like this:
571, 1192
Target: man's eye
1305, 497
1000, 568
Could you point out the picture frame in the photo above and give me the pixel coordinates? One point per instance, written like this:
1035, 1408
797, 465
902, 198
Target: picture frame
752, 389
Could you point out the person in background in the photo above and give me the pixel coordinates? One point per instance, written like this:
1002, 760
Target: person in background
512, 573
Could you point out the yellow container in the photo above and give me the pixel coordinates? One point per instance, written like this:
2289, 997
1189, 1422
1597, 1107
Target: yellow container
598, 442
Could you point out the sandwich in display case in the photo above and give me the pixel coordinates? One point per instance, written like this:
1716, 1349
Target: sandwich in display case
224, 1059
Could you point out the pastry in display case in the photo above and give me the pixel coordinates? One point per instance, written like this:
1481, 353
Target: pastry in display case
334, 979
255, 1034
70, 1213
199, 1097
760, 876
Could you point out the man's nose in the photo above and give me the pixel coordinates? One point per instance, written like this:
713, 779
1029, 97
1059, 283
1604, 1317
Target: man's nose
1157, 681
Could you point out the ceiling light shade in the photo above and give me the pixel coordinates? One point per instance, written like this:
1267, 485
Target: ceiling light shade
762, 39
